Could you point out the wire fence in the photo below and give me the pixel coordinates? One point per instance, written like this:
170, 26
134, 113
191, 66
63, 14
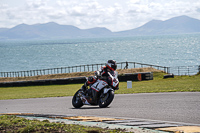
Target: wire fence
80, 68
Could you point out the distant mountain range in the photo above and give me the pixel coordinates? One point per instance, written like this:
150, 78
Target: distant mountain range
51, 30
176, 25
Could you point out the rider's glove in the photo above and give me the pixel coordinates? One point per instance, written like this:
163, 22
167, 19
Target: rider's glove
98, 74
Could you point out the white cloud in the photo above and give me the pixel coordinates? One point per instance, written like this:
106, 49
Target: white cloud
36, 4
144, 11
115, 15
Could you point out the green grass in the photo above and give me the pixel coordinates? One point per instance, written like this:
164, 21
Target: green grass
21, 125
38, 91
177, 84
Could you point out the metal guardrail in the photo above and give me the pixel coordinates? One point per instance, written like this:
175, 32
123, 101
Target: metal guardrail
179, 70
185, 70
80, 68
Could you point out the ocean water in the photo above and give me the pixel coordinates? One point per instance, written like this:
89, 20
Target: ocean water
167, 50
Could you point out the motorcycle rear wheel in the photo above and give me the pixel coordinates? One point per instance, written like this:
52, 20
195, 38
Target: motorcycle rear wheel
106, 99
76, 100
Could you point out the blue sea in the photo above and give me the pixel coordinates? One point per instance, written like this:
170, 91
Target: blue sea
166, 50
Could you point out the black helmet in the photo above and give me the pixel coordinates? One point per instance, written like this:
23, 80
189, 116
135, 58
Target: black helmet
111, 64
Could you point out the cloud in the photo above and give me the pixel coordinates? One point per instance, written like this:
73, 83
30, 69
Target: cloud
115, 15
90, 13
36, 4
145, 11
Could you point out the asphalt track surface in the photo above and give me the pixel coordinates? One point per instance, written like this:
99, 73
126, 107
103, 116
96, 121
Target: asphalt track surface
175, 106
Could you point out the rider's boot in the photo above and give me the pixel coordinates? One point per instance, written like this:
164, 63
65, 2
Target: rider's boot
84, 88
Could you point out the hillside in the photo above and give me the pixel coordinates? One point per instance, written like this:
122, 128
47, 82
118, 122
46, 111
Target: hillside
176, 25
51, 30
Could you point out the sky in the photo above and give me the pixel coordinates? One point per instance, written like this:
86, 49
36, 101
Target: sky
115, 15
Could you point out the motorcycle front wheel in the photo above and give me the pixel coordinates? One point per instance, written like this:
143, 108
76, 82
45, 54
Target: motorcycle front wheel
106, 99
76, 100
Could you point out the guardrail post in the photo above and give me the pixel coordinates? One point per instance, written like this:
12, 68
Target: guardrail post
68, 69
178, 70
168, 69
199, 69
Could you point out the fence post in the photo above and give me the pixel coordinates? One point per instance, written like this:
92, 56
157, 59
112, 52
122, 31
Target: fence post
178, 70
199, 69
168, 70
68, 70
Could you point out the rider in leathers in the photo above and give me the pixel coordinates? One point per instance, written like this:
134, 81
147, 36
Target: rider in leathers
111, 66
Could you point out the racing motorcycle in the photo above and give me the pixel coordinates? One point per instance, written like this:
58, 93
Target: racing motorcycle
100, 93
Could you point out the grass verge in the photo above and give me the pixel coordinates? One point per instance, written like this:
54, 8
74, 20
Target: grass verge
22, 125
177, 84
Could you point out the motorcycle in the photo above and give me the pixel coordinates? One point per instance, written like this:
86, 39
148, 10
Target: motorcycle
100, 93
